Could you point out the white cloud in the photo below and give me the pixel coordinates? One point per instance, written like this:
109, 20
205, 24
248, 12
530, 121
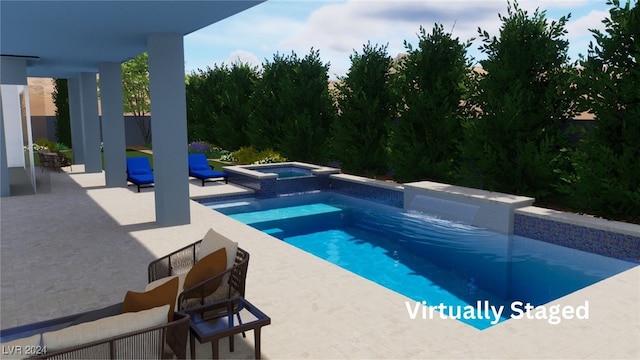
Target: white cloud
531, 5
580, 26
342, 27
579, 34
244, 57
337, 29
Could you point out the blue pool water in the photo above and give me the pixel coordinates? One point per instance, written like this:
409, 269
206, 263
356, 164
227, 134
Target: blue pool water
285, 172
425, 258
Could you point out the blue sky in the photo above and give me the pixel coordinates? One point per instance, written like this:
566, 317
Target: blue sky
337, 28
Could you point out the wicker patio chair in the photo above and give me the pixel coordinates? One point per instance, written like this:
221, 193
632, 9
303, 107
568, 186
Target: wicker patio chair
46, 159
62, 160
182, 260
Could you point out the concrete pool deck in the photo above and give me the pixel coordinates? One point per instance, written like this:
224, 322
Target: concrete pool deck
82, 246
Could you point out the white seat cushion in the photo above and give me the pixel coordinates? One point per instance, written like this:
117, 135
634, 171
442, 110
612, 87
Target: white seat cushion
104, 328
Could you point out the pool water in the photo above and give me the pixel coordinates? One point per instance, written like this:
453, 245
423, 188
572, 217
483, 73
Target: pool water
290, 174
425, 258
286, 172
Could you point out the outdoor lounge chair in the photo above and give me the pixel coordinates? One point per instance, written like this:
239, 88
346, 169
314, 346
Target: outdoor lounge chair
199, 168
53, 159
181, 261
139, 172
62, 160
105, 333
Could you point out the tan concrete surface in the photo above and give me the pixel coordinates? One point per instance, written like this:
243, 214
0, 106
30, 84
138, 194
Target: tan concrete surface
82, 246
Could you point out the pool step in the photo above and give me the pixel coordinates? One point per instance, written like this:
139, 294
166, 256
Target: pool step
291, 212
273, 231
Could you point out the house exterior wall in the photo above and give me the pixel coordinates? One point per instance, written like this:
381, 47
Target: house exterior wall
45, 127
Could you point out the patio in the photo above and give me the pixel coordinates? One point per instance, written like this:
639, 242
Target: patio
82, 246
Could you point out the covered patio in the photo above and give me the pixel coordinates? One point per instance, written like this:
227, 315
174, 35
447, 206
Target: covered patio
82, 40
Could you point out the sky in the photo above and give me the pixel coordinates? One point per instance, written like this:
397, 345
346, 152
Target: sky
337, 29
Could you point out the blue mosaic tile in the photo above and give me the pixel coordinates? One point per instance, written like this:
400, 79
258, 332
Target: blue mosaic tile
298, 185
380, 195
606, 243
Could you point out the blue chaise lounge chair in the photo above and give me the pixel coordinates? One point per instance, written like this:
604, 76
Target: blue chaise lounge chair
199, 168
139, 172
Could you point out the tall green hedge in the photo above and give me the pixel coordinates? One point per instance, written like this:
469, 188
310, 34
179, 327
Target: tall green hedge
432, 81
366, 107
63, 121
218, 104
523, 102
292, 109
607, 163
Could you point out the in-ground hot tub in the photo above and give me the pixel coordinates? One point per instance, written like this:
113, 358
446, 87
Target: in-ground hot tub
286, 172
270, 180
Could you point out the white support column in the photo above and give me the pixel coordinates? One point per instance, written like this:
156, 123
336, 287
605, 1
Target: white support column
31, 170
13, 126
90, 123
169, 128
113, 135
5, 185
13, 73
75, 119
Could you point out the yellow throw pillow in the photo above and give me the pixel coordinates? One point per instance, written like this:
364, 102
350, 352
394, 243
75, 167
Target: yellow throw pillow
205, 268
164, 294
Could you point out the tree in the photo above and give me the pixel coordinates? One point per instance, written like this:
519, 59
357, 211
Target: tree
201, 89
231, 122
607, 167
135, 92
432, 81
292, 109
63, 121
523, 101
360, 134
217, 104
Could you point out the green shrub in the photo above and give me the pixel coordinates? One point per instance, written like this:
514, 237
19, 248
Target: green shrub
249, 155
46, 143
227, 156
199, 147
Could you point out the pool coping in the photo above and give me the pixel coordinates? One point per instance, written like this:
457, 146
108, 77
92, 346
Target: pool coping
369, 182
581, 220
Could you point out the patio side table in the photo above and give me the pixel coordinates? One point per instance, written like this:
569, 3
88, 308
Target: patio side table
212, 322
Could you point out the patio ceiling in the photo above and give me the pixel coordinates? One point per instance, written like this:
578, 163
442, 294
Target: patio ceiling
62, 38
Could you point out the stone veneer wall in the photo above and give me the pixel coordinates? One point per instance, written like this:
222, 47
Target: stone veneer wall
607, 238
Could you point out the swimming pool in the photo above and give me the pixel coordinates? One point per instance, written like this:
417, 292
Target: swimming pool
424, 258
